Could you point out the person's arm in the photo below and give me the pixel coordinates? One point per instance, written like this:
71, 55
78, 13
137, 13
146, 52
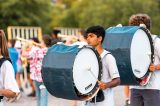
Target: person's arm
115, 82
113, 72
10, 86
156, 67
7, 93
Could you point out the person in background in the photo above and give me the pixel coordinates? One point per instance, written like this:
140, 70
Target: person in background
13, 53
148, 95
36, 55
82, 38
8, 84
20, 68
54, 36
27, 52
41, 91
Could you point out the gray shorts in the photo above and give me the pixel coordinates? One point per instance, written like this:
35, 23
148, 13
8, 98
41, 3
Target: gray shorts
145, 97
20, 69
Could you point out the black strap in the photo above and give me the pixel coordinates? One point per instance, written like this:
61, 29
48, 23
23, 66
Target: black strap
4, 59
1, 97
154, 40
108, 53
100, 95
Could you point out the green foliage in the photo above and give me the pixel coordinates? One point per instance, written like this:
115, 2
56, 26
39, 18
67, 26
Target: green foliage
84, 13
25, 13
75, 13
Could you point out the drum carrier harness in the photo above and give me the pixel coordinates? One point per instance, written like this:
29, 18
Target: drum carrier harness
100, 95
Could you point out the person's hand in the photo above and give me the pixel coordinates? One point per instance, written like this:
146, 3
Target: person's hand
158, 67
102, 85
152, 68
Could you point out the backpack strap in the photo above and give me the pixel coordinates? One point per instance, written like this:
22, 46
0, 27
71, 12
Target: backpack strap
4, 59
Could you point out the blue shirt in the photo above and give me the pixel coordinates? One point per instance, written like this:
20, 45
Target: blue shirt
13, 53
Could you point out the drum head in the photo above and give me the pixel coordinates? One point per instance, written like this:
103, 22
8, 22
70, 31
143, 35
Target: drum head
140, 53
86, 70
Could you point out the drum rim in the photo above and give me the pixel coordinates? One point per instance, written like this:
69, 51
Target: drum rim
152, 51
95, 88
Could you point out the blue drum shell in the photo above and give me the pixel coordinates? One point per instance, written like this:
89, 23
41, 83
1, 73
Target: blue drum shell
118, 41
57, 72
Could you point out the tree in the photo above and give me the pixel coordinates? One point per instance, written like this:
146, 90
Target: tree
25, 13
84, 13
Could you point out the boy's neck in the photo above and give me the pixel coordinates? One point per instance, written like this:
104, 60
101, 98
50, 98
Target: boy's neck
99, 49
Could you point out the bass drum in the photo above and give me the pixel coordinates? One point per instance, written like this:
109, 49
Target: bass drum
71, 72
132, 47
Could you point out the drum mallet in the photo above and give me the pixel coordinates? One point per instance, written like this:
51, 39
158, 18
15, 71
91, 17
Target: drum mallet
89, 69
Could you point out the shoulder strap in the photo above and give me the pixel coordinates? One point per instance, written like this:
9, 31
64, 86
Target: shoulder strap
4, 59
155, 37
105, 54
104, 57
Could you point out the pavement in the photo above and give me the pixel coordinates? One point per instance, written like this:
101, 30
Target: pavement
53, 101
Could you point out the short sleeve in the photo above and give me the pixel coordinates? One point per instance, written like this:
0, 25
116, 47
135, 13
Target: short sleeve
157, 46
112, 66
8, 77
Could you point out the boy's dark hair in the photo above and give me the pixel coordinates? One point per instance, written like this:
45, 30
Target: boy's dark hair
56, 31
97, 30
12, 42
137, 19
83, 33
35, 39
47, 40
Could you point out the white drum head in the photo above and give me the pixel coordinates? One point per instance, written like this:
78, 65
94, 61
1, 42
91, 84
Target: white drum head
140, 53
85, 62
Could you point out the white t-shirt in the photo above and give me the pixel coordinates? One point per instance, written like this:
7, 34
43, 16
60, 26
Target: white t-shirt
110, 71
154, 81
7, 77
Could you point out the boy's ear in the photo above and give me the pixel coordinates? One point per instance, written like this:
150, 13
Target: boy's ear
100, 38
